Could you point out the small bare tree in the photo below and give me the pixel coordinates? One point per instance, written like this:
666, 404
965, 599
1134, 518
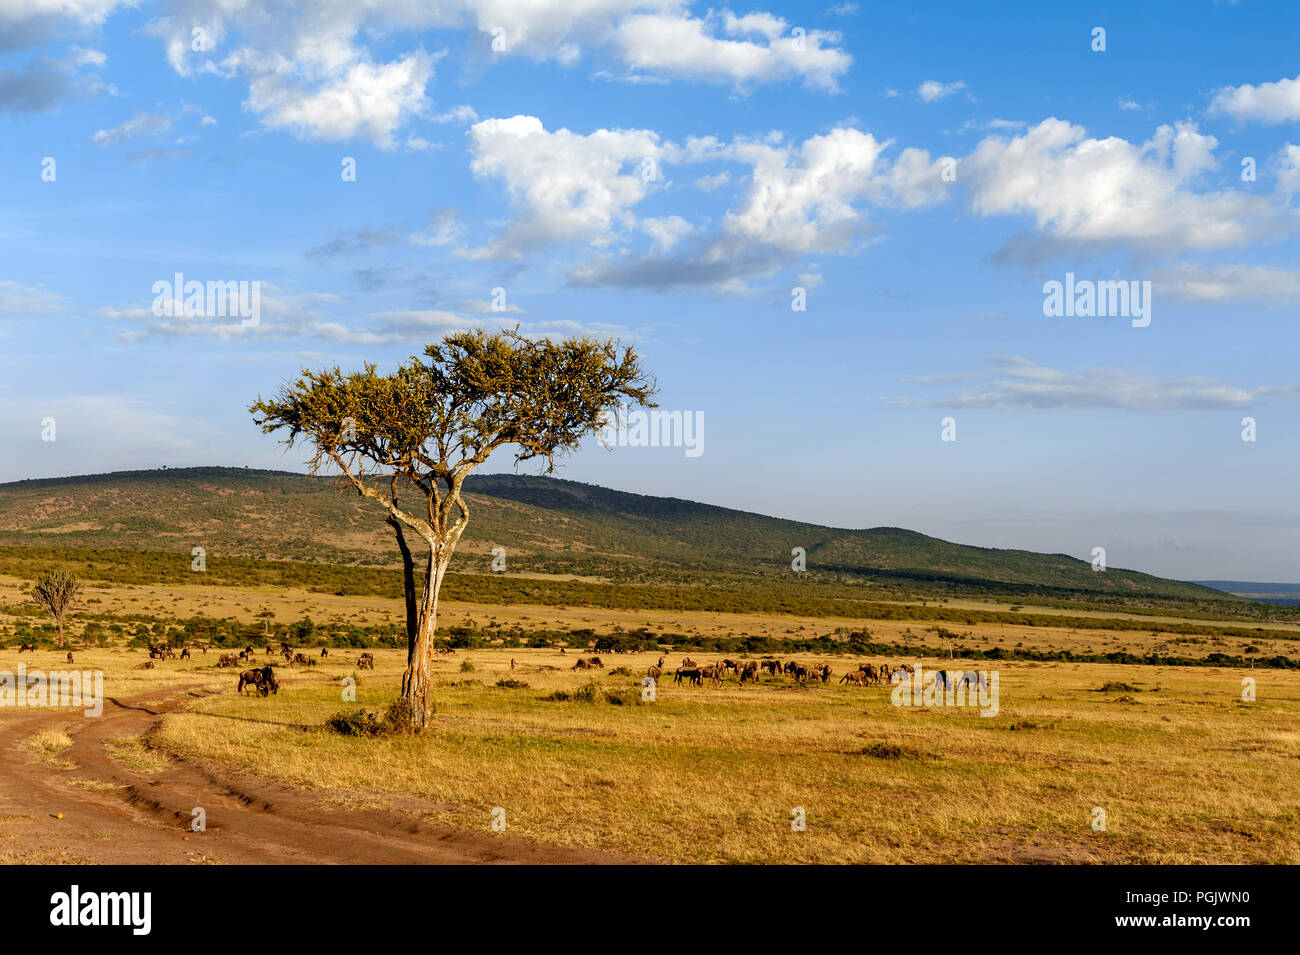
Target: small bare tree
56, 593
418, 432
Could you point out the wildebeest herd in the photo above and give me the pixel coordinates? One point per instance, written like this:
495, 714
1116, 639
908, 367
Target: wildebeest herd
697, 674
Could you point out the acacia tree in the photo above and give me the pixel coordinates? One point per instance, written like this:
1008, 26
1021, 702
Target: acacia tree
415, 435
56, 593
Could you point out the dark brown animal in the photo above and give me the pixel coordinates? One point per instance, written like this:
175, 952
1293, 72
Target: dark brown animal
147, 665
748, 671
227, 660
856, 677
713, 674
366, 661
654, 672
185, 653
324, 652
29, 647
689, 674
262, 680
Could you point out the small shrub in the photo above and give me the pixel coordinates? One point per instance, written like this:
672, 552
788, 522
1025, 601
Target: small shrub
396, 721
512, 684
589, 693
354, 723
893, 751
466, 666
1114, 686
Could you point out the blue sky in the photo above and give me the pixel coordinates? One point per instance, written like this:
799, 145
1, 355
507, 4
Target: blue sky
667, 173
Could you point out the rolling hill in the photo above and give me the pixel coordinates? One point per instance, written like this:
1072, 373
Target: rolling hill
547, 525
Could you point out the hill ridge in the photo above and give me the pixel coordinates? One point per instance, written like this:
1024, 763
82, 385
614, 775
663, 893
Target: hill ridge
548, 524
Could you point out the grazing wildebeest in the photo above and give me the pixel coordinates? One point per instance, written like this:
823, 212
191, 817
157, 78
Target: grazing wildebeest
70, 660
654, 672
691, 674
227, 660
973, 676
729, 665
869, 672
748, 671
262, 680
324, 652
771, 666
30, 647
856, 677
941, 679
822, 672
688, 663
792, 669
713, 674
301, 659
147, 665
185, 653
366, 661
512, 663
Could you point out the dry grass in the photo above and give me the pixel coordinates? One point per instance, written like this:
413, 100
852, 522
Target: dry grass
133, 753
1186, 772
288, 605
47, 745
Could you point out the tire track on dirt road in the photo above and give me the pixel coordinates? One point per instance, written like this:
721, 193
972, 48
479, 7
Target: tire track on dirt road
114, 814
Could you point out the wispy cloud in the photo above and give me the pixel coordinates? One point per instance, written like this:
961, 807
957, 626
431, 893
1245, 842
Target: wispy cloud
1014, 383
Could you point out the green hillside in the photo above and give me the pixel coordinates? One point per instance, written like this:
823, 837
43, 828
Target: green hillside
547, 525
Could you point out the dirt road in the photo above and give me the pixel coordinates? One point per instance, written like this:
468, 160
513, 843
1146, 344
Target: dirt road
115, 815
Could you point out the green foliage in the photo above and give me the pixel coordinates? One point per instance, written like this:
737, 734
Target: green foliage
395, 721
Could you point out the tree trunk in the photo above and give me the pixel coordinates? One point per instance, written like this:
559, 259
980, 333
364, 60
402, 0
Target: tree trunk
419, 657
408, 587
60, 622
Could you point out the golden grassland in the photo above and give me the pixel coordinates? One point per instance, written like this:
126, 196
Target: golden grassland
288, 605
1186, 771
